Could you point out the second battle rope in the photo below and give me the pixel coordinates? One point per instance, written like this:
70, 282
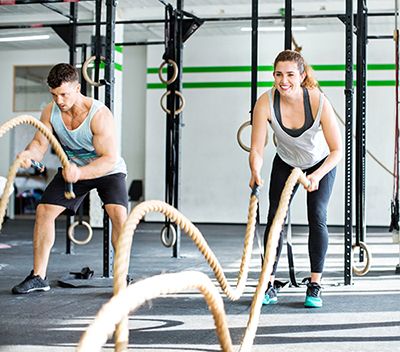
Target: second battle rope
121, 265
30, 120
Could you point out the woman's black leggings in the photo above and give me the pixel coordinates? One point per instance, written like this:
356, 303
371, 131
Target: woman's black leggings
317, 203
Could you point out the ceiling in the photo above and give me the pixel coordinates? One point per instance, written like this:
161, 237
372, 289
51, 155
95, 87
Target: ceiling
141, 10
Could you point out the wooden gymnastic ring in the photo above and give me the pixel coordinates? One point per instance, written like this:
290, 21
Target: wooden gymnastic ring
239, 139
85, 74
165, 240
365, 269
72, 236
174, 75
181, 106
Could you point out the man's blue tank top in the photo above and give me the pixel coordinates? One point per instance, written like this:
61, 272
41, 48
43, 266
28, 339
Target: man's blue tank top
78, 143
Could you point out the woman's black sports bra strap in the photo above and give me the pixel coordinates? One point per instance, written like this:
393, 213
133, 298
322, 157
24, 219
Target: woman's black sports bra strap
307, 111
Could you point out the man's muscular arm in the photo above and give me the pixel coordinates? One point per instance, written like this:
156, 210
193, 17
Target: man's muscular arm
105, 145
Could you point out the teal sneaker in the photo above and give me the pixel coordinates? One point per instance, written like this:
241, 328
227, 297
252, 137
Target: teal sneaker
271, 296
313, 296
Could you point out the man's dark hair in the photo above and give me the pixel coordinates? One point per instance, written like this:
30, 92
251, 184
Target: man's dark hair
62, 73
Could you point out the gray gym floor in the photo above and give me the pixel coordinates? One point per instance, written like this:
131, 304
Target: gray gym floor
364, 316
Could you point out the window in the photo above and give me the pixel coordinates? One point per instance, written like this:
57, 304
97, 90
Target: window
31, 92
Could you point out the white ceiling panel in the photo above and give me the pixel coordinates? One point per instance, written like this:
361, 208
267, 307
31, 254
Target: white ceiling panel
36, 14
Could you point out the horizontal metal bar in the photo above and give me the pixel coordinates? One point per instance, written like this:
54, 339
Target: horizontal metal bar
28, 2
380, 37
127, 43
209, 19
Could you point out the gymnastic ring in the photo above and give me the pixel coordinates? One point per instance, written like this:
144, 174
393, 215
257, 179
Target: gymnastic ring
168, 241
71, 232
85, 74
239, 139
365, 269
181, 106
174, 75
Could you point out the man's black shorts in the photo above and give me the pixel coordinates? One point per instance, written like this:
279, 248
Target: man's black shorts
111, 189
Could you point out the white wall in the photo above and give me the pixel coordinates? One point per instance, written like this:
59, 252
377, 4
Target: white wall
9, 59
215, 173
134, 111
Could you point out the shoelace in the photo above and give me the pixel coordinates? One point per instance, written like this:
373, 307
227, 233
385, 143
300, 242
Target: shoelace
313, 289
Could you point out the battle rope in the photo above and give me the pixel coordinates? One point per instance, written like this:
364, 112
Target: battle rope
140, 292
30, 120
12, 172
124, 244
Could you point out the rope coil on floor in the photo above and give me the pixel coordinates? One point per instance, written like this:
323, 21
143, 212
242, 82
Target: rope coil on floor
124, 244
30, 120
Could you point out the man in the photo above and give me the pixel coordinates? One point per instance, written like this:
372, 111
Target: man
85, 128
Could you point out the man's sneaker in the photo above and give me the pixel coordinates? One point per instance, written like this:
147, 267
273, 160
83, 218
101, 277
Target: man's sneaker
30, 284
313, 296
271, 296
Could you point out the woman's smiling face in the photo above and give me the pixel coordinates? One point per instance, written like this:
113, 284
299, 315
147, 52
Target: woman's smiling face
287, 77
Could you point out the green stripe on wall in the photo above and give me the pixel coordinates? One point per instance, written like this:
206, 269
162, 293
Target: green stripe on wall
214, 69
244, 84
118, 67
119, 48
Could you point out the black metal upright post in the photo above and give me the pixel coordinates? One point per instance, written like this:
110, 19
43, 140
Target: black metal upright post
361, 122
170, 32
73, 11
177, 123
111, 5
288, 24
97, 46
254, 54
348, 184
84, 85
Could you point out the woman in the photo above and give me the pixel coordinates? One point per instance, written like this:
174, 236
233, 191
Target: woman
307, 137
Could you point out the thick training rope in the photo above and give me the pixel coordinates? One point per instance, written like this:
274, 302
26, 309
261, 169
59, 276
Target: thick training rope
124, 244
12, 172
140, 292
30, 120
123, 250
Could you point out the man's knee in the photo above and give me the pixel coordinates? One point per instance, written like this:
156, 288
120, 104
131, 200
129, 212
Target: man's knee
48, 212
117, 213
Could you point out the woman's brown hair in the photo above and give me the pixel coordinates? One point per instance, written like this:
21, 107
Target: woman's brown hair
293, 56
